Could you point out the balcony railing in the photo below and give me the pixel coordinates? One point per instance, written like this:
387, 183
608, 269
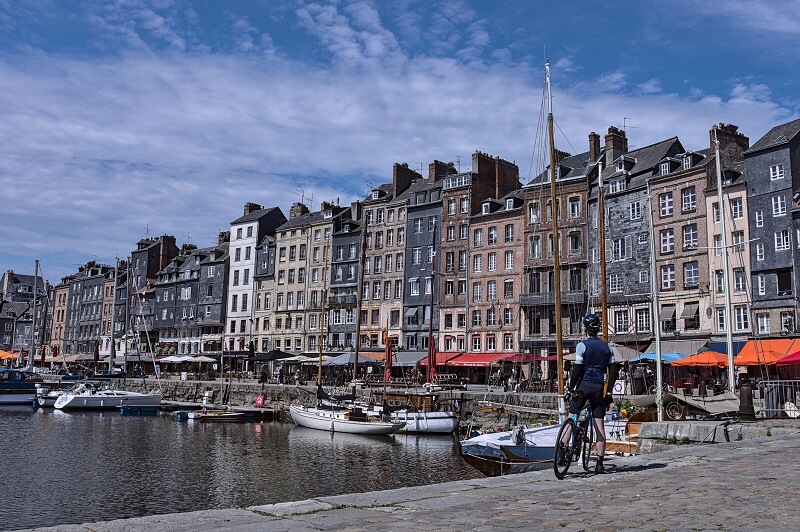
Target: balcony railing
349, 299
568, 297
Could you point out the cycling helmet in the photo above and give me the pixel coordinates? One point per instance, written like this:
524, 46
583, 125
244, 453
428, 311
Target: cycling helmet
592, 323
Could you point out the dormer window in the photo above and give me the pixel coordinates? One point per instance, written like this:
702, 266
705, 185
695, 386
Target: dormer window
620, 166
374, 194
346, 228
687, 162
664, 168
485, 208
617, 185
327, 214
509, 204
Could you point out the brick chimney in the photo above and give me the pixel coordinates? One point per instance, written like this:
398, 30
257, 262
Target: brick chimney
616, 145
438, 170
731, 143
251, 207
402, 177
297, 209
594, 147
222, 237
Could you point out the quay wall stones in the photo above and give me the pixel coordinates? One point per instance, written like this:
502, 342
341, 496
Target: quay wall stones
660, 436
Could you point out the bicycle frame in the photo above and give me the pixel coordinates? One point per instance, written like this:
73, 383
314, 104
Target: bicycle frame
579, 442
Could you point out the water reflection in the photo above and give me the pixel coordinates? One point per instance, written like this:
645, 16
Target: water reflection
134, 466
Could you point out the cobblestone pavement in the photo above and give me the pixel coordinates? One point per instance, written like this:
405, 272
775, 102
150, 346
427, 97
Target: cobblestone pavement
744, 485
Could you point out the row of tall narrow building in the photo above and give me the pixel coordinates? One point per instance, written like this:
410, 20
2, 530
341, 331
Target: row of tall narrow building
467, 257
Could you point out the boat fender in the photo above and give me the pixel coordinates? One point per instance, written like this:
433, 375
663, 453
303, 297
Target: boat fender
259, 400
518, 435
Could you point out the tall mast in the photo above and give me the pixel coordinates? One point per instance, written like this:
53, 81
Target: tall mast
32, 351
601, 225
113, 308
556, 248
431, 344
725, 274
656, 306
362, 253
322, 316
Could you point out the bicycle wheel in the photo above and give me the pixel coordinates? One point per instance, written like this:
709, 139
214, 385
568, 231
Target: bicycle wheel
563, 452
588, 442
674, 410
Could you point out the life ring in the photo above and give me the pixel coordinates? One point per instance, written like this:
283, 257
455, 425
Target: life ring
259, 400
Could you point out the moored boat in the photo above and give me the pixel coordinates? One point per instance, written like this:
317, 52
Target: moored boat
18, 387
216, 415
350, 420
88, 397
46, 398
518, 450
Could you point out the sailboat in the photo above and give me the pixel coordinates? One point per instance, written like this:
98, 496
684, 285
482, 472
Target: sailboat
527, 449
338, 416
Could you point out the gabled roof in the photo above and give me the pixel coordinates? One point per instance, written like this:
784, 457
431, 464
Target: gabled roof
255, 215
776, 136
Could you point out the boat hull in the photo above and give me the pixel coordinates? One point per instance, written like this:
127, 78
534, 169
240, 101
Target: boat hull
337, 421
215, 416
105, 400
18, 387
499, 454
18, 398
426, 422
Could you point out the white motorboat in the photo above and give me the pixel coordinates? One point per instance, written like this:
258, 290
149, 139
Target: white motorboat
88, 397
519, 450
350, 420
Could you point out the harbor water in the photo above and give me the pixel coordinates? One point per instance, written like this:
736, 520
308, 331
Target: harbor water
84, 467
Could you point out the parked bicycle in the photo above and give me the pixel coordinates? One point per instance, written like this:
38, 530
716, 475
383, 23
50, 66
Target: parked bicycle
578, 431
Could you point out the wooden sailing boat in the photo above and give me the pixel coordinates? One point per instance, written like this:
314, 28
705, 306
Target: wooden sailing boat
337, 416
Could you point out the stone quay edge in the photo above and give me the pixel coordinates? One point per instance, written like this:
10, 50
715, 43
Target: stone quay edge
743, 485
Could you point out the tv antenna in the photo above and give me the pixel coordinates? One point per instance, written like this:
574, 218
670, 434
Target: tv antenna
188, 236
625, 125
147, 231
458, 163
303, 197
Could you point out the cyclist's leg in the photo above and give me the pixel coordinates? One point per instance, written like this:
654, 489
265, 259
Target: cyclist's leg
575, 408
600, 430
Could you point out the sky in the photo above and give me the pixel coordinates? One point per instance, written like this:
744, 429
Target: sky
128, 118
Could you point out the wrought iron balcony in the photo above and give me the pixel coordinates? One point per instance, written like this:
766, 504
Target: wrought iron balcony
342, 300
568, 297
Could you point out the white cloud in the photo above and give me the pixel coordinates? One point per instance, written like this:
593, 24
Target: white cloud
651, 86
95, 150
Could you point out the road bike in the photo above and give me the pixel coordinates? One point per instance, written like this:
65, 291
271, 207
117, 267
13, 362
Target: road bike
580, 428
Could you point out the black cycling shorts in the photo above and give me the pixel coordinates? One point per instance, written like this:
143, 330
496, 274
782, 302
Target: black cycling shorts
592, 392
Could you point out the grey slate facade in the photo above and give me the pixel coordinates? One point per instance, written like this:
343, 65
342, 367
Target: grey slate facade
423, 241
772, 169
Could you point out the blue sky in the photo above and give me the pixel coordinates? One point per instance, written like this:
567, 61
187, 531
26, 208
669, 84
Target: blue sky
125, 116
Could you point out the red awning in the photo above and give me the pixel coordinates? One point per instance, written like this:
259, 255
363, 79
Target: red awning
479, 359
441, 358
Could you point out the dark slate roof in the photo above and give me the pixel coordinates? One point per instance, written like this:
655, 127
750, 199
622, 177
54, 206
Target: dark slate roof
310, 218
301, 221
386, 188
572, 166
255, 215
776, 136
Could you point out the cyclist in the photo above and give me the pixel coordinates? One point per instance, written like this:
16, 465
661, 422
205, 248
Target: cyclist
593, 359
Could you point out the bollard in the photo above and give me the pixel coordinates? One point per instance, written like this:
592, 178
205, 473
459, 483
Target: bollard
746, 410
